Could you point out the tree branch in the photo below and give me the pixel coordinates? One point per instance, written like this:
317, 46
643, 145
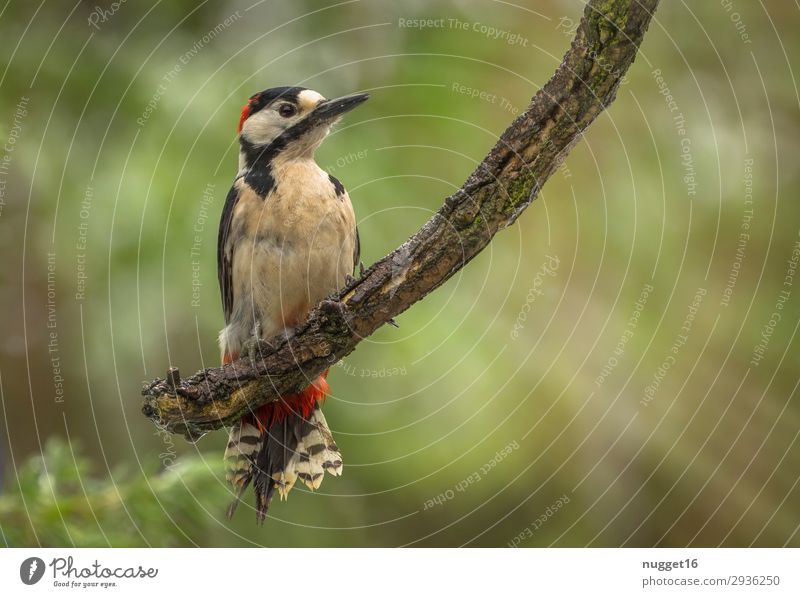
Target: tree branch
492, 198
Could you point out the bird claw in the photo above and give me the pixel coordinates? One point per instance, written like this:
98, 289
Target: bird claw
256, 347
392, 322
288, 334
333, 309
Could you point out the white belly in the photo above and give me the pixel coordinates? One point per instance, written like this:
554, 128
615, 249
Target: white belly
293, 249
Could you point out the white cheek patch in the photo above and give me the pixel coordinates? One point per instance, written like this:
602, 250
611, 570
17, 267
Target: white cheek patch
262, 127
308, 99
265, 126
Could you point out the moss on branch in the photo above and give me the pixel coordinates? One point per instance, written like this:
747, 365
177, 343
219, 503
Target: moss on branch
492, 198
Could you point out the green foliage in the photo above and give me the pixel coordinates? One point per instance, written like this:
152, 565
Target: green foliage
55, 500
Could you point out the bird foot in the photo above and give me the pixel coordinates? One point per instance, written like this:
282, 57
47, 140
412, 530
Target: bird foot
287, 334
256, 347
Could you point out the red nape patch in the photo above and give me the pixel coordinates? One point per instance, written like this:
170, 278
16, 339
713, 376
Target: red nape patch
246, 112
243, 117
300, 404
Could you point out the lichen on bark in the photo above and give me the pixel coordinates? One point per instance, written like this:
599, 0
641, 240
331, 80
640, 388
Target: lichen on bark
492, 198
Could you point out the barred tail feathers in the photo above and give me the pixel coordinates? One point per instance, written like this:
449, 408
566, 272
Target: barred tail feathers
244, 443
280, 443
294, 448
316, 452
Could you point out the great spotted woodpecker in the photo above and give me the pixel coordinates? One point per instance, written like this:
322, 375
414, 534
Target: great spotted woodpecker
287, 239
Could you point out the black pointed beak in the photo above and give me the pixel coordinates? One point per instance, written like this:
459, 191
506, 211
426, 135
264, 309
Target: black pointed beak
324, 114
328, 110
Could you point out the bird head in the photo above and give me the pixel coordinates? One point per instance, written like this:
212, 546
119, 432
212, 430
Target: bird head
291, 120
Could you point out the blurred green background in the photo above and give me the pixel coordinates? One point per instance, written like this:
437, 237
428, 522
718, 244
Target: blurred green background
604, 374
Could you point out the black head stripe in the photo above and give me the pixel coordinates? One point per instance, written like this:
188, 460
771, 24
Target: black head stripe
268, 96
261, 180
260, 156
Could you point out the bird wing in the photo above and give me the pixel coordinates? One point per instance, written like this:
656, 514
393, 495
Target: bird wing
225, 253
357, 255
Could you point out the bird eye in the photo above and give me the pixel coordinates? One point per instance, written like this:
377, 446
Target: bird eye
287, 110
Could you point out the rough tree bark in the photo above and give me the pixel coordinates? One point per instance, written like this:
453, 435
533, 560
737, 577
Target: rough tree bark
492, 198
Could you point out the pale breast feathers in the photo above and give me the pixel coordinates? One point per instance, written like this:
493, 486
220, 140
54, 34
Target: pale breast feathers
283, 252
